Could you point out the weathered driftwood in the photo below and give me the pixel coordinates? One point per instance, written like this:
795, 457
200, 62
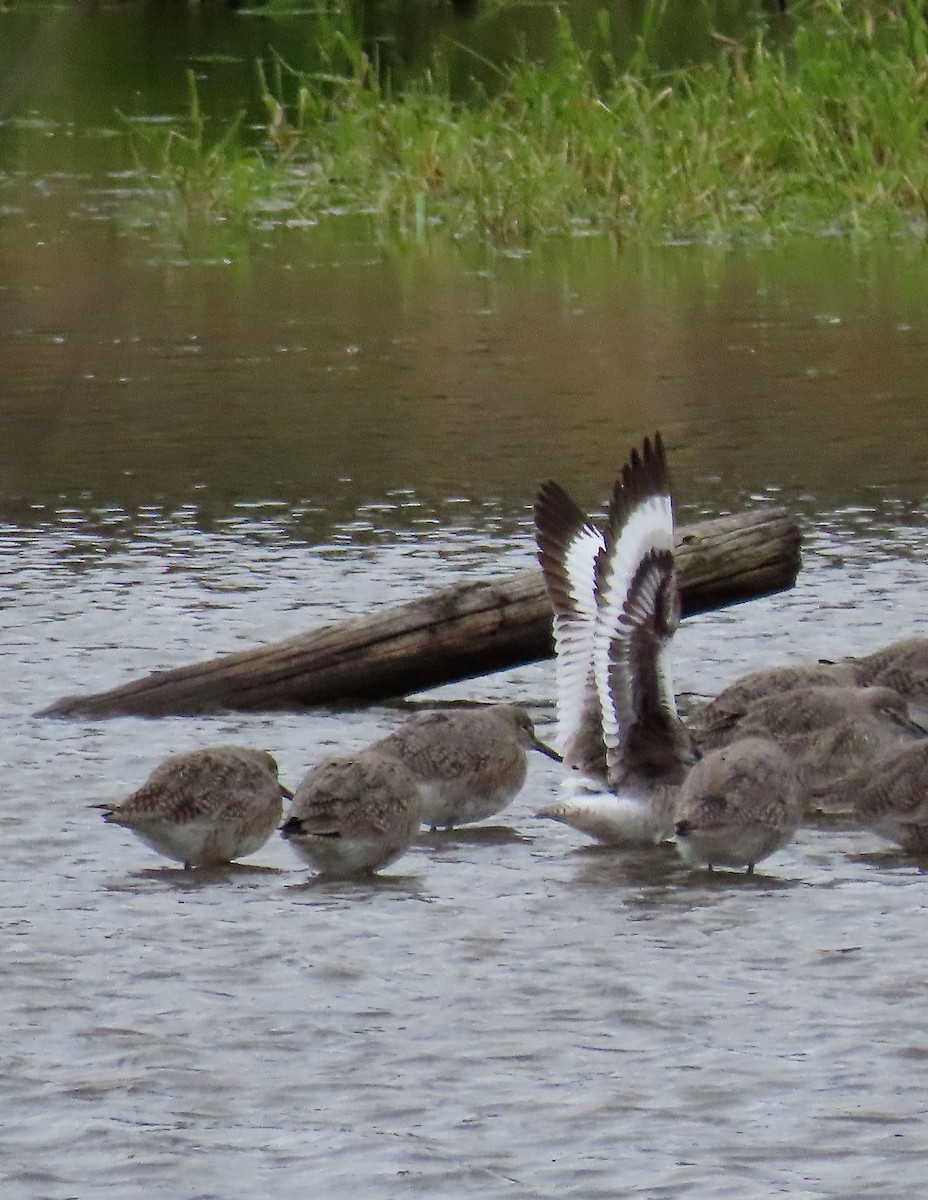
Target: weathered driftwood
463, 631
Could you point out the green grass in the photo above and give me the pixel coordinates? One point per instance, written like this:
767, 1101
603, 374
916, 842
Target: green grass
826, 133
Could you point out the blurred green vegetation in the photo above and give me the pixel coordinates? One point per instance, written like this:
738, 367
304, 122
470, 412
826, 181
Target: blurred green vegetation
820, 131
653, 120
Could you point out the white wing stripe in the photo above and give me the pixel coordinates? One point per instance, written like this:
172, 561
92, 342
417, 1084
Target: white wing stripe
574, 634
649, 527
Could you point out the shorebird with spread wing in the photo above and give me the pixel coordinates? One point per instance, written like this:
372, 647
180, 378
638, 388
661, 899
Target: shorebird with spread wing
616, 606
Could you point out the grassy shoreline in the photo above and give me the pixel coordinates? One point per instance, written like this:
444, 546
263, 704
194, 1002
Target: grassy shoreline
827, 135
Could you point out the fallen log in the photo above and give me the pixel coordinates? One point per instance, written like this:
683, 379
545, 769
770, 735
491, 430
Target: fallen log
463, 631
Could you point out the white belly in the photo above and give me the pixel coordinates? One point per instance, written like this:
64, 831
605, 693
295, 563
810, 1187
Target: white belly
614, 820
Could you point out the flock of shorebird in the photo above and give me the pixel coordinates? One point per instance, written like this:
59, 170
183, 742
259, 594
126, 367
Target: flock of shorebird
730, 785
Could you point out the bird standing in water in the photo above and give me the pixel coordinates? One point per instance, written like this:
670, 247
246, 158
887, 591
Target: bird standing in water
353, 814
616, 607
468, 763
205, 807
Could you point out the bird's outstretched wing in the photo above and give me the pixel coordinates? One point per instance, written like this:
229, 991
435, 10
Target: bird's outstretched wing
637, 613
570, 551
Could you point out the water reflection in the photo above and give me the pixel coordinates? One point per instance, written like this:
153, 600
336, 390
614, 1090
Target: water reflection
183, 880
84, 69
471, 835
354, 394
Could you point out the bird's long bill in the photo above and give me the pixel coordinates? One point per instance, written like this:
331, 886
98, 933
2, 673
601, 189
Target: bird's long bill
544, 748
917, 720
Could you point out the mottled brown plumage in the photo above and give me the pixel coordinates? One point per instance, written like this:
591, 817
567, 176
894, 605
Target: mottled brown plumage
205, 807
909, 654
467, 763
353, 815
793, 718
804, 721
738, 805
829, 726
716, 722
891, 795
902, 665
831, 757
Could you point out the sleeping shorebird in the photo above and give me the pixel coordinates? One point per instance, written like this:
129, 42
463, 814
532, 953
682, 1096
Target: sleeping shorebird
794, 718
828, 727
717, 721
901, 665
353, 815
205, 807
468, 763
891, 796
737, 805
835, 763
616, 606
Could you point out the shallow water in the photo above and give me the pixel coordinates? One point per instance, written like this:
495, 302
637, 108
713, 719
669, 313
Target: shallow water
508, 1011
201, 454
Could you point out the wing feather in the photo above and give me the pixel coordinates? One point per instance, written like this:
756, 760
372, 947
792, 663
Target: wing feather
638, 612
570, 551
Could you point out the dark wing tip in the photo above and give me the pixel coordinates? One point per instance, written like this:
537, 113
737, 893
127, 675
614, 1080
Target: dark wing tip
643, 476
555, 510
559, 522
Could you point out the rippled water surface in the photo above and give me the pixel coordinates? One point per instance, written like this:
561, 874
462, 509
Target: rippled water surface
507, 1011
201, 454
